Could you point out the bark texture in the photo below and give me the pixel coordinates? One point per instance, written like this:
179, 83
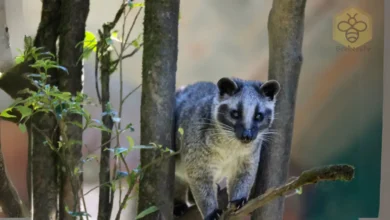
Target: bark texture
42, 170
157, 104
105, 204
285, 29
106, 193
74, 15
43, 166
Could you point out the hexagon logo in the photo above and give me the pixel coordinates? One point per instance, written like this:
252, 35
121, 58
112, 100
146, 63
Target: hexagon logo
352, 27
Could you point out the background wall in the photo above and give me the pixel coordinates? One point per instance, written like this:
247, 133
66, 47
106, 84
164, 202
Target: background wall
339, 102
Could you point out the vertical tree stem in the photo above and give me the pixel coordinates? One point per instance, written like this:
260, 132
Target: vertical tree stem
159, 66
285, 27
72, 31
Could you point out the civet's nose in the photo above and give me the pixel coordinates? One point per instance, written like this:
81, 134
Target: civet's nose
247, 136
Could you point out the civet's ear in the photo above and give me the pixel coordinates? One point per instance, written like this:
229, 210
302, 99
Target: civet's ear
227, 86
270, 89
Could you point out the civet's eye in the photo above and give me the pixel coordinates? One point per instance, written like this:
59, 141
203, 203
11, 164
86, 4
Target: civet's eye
259, 117
234, 114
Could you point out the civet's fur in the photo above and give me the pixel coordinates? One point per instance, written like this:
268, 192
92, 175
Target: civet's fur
224, 125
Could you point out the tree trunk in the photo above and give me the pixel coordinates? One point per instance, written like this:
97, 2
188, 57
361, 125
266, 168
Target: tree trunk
42, 169
43, 166
72, 31
157, 105
285, 26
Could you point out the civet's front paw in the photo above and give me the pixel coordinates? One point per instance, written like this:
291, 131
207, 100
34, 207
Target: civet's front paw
239, 203
214, 215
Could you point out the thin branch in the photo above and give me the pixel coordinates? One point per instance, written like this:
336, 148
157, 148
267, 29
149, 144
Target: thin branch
328, 173
125, 42
127, 195
130, 93
118, 127
129, 55
97, 75
105, 194
118, 15
131, 28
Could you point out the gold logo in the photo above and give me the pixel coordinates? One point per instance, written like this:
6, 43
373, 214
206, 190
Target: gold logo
352, 28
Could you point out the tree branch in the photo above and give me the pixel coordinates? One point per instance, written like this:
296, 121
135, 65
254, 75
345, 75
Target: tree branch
106, 194
338, 172
14, 80
312, 176
285, 30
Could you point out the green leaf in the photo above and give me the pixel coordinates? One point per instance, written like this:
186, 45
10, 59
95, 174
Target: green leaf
120, 174
115, 37
117, 150
109, 41
19, 59
116, 119
62, 68
136, 5
131, 141
299, 190
113, 186
130, 127
76, 123
181, 131
76, 170
6, 115
24, 110
89, 158
22, 128
147, 212
90, 41
137, 42
76, 214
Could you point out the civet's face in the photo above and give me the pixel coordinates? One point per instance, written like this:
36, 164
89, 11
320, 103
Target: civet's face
246, 108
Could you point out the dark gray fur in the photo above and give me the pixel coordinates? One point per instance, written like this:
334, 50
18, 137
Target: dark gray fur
219, 142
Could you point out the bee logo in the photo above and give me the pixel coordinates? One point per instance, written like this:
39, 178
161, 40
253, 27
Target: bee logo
352, 27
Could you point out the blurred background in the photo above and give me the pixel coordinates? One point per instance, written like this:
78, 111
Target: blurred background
339, 102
